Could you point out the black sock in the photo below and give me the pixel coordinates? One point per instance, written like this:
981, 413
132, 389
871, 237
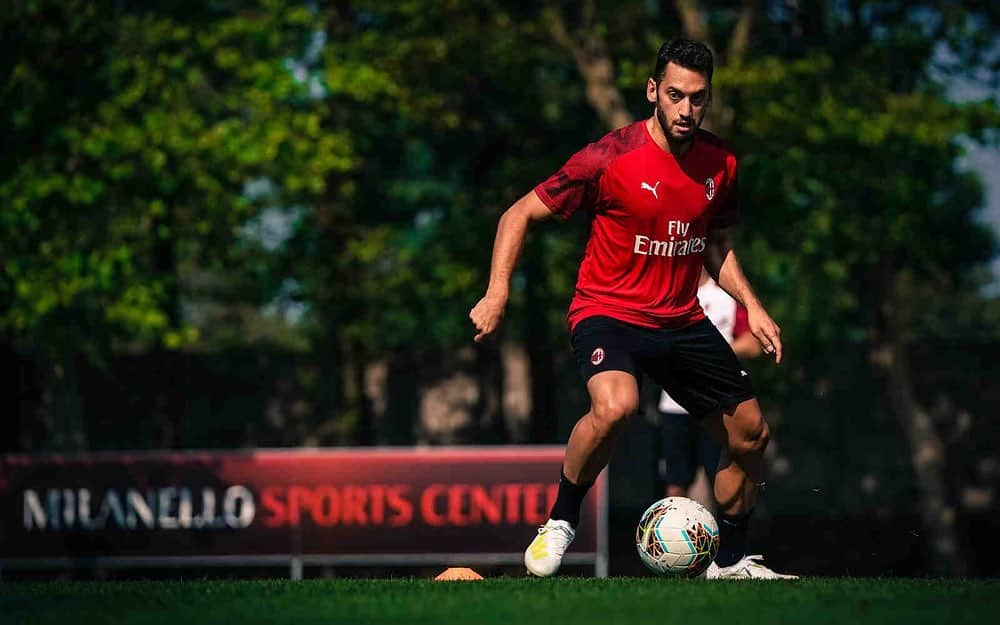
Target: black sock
732, 538
568, 502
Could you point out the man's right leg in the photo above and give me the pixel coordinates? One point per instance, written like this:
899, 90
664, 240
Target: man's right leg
614, 396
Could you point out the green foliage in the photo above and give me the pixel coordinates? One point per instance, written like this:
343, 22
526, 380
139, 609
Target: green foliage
844, 175
130, 138
446, 138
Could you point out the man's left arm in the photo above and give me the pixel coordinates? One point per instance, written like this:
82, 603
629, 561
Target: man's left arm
724, 267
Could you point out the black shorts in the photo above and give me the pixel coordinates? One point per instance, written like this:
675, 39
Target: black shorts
694, 363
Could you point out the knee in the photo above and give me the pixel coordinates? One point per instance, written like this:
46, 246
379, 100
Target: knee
753, 441
611, 413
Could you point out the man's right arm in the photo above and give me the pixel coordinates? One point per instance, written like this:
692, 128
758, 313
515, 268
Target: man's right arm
487, 314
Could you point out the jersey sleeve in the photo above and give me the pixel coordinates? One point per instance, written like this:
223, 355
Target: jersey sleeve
575, 185
741, 321
728, 211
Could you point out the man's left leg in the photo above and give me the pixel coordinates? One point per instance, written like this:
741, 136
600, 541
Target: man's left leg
743, 434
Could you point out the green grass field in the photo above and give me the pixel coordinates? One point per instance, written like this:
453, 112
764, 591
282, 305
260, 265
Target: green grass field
506, 601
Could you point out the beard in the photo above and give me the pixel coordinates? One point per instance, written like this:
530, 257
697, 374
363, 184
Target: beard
661, 119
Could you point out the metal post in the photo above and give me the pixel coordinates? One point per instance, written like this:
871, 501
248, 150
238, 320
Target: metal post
601, 558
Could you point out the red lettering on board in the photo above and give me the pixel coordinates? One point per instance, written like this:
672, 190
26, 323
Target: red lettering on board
439, 505
427, 511
401, 507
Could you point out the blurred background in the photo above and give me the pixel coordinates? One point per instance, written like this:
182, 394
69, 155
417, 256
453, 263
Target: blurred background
244, 225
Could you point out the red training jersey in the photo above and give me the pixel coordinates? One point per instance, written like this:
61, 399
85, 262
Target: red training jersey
651, 217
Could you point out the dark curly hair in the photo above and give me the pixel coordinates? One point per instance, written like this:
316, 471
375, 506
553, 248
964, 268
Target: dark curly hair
692, 55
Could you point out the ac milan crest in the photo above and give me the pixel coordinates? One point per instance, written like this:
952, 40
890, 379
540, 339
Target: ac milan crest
709, 188
597, 356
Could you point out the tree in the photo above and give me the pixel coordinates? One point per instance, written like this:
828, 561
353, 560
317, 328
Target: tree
868, 150
133, 134
443, 134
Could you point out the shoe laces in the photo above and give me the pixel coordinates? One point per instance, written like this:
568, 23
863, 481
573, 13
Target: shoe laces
756, 562
558, 536
752, 561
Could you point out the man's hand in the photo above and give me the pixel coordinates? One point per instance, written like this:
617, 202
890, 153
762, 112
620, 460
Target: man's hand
487, 314
765, 330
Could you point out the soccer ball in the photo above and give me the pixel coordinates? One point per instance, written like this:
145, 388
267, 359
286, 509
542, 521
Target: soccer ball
678, 537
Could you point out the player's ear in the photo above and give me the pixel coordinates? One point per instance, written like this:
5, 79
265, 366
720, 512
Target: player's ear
651, 86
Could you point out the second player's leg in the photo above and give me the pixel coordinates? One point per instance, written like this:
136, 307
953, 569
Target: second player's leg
678, 450
614, 396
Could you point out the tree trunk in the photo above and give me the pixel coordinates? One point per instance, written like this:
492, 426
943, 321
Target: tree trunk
695, 26
542, 425
489, 411
928, 454
719, 118
168, 405
594, 63
63, 407
403, 399
330, 405
14, 388
366, 413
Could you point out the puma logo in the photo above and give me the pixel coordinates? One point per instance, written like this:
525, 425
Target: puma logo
645, 186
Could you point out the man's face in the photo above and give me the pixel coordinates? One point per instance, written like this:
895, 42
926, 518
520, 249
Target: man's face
681, 99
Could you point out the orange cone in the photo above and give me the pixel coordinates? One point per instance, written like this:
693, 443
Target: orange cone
460, 574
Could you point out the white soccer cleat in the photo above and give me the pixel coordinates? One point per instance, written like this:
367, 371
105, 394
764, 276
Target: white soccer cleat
544, 555
749, 567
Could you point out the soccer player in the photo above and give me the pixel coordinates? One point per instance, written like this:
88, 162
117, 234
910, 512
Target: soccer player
662, 194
